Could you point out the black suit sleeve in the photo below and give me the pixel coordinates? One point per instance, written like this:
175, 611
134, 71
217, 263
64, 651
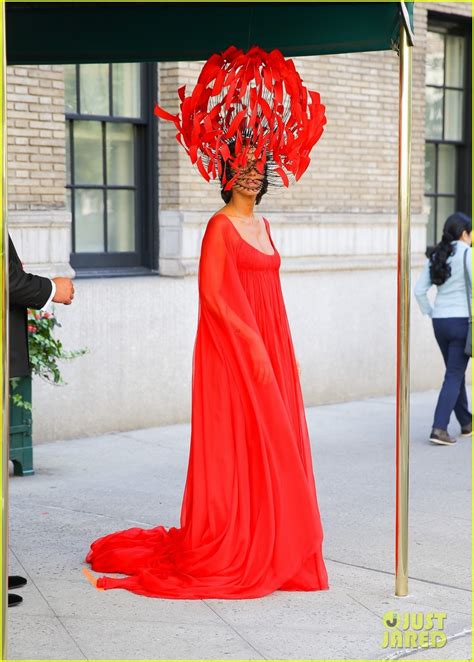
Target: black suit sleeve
27, 290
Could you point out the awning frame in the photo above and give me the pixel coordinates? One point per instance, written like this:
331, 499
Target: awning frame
402, 41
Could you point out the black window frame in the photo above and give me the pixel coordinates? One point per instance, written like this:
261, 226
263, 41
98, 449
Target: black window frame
144, 260
456, 25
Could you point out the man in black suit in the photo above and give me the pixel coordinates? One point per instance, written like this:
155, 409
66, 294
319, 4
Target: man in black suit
27, 291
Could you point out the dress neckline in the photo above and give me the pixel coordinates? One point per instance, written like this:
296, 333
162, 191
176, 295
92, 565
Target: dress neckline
248, 243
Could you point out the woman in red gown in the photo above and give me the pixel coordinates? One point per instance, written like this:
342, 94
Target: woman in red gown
250, 522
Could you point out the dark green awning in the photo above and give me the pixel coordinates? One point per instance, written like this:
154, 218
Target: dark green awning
70, 32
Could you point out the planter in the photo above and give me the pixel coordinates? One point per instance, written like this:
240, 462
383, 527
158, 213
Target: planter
21, 440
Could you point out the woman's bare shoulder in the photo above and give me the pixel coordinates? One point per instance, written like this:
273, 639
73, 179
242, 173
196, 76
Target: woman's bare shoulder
217, 226
220, 213
217, 218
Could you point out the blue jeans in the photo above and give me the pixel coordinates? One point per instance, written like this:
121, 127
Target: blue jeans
451, 334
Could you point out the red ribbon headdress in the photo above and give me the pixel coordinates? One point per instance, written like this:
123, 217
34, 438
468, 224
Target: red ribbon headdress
243, 100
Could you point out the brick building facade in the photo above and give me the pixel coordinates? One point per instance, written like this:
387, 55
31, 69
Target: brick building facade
336, 230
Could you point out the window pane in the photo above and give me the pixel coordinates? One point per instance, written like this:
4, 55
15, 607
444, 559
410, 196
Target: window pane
434, 58
88, 152
121, 220
430, 167
430, 228
126, 89
447, 169
94, 82
453, 115
119, 145
434, 113
88, 221
68, 151
70, 96
445, 209
454, 61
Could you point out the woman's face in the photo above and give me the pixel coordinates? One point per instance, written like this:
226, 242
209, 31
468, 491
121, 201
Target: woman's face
250, 181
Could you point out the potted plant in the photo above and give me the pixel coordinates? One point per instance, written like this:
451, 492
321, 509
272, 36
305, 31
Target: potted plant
45, 350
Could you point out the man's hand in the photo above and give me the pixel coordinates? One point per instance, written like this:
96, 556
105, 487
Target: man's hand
64, 291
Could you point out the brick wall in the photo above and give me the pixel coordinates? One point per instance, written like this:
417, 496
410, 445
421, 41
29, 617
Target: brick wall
36, 137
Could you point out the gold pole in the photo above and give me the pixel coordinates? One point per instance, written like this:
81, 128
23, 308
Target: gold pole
403, 314
4, 415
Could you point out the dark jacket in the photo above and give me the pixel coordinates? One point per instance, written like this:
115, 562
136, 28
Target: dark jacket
25, 291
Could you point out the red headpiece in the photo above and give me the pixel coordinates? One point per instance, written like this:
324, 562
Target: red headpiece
243, 100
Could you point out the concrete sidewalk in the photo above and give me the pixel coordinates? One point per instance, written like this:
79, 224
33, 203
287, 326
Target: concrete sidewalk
85, 488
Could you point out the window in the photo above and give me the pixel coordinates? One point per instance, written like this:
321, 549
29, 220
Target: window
110, 138
447, 122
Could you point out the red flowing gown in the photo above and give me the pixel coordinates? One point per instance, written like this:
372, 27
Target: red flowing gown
250, 522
